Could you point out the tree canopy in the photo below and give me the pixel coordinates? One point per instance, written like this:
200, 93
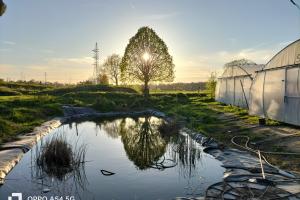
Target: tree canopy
2, 7
112, 67
147, 59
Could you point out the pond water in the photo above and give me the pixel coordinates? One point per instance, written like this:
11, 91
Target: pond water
146, 164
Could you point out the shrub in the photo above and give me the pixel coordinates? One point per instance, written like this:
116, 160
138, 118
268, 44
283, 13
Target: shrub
211, 84
104, 104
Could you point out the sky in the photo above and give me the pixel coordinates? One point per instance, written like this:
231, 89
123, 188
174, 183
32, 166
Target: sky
56, 37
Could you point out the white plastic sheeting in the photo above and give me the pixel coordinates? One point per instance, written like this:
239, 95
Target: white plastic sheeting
233, 87
275, 92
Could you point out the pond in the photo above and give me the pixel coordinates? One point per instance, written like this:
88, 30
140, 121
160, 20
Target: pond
144, 164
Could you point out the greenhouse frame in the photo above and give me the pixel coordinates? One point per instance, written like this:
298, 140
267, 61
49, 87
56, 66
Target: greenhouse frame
275, 92
233, 87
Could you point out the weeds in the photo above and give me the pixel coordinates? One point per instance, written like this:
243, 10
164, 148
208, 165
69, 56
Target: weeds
57, 157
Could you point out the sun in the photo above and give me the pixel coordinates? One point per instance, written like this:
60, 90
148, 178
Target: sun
146, 56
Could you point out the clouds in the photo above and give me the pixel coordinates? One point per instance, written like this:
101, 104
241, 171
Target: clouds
5, 45
6, 42
68, 69
258, 54
199, 67
191, 68
75, 62
162, 16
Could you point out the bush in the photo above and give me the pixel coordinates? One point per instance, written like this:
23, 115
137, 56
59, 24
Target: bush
103, 79
103, 104
211, 85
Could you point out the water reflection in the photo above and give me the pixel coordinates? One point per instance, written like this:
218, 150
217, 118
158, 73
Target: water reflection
141, 139
59, 163
129, 147
144, 144
187, 153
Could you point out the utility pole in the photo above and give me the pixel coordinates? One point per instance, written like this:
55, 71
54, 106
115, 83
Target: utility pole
96, 64
45, 78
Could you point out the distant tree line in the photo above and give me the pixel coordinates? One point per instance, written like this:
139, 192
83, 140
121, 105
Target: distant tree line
30, 82
178, 86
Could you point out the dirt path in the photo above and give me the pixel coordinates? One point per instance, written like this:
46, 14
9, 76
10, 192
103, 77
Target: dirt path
281, 138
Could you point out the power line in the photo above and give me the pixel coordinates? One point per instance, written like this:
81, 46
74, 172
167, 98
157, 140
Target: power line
96, 63
295, 4
45, 78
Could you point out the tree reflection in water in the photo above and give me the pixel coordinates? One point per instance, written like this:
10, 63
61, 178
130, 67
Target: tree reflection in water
144, 144
141, 139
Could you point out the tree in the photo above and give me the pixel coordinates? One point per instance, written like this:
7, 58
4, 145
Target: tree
102, 79
147, 59
211, 84
112, 66
2, 7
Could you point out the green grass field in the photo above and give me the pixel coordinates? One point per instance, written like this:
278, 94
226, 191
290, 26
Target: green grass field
26, 107
33, 104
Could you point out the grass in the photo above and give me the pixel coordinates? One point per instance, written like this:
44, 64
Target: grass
57, 157
24, 106
21, 113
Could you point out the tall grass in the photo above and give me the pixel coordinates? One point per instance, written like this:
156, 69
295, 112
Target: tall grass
58, 158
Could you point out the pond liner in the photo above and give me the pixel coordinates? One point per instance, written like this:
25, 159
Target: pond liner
24, 147
246, 190
12, 152
243, 178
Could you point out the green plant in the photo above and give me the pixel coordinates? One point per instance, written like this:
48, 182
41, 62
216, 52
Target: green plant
57, 157
104, 104
211, 84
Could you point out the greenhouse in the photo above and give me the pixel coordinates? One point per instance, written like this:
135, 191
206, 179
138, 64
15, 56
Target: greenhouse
233, 87
275, 92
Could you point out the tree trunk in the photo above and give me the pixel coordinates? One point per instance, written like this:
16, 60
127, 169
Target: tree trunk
146, 89
117, 83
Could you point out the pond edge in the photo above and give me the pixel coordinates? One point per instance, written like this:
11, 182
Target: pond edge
12, 152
